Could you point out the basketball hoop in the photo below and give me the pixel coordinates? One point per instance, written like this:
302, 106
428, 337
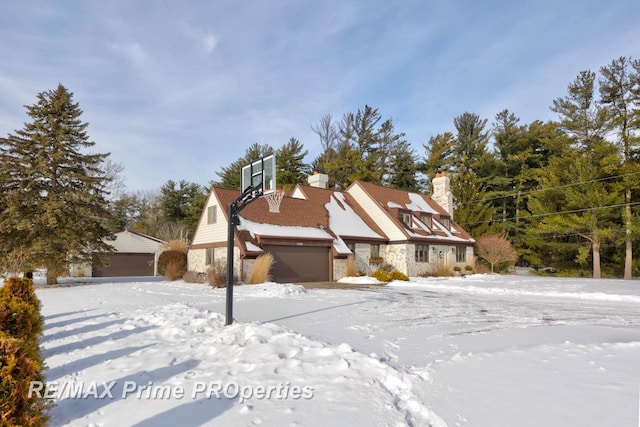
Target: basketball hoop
274, 199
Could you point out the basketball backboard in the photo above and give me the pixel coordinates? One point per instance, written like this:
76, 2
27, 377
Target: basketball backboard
260, 175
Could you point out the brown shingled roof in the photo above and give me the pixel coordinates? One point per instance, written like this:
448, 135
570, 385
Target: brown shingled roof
386, 195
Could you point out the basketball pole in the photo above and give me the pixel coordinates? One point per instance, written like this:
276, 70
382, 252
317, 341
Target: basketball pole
250, 194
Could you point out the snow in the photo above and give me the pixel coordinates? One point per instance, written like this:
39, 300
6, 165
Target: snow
344, 221
420, 204
252, 248
260, 229
483, 350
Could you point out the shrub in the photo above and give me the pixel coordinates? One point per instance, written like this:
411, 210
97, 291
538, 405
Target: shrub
217, 274
381, 275
17, 369
20, 319
443, 269
193, 277
352, 268
21, 287
177, 258
261, 268
176, 245
386, 267
497, 251
457, 269
172, 271
468, 268
398, 275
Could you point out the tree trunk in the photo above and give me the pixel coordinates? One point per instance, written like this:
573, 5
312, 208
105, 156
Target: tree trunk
628, 254
596, 259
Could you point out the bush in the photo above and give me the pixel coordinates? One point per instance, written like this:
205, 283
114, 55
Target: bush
352, 268
386, 267
398, 275
261, 268
172, 271
468, 269
443, 269
381, 275
178, 259
21, 287
193, 277
17, 369
20, 319
217, 274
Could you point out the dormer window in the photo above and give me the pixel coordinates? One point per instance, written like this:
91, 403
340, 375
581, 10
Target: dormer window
446, 222
426, 220
405, 218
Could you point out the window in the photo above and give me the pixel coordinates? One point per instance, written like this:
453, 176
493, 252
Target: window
375, 251
212, 214
352, 247
422, 253
210, 256
446, 222
426, 220
406, 218
461, 254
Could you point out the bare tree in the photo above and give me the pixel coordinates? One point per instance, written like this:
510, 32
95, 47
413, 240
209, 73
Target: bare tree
495, 249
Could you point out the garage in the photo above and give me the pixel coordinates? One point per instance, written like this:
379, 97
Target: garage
127, 264
299, 263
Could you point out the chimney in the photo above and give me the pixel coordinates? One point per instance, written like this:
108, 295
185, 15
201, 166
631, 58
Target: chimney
442, 192
318, 180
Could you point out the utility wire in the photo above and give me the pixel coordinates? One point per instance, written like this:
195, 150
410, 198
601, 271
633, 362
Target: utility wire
552, 213
548, 188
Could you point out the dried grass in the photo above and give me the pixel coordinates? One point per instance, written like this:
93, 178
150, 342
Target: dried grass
176, 245
352, 268
261, 268
173, 271
443, 268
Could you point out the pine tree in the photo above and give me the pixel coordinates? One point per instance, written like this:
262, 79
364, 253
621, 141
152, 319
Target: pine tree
231, 175
573, 210
438, 154
54, 207
290, 165
620, 96
580, 116
182, 204
471, 142
471, 210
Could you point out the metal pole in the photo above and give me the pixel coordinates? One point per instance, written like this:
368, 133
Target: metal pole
230, 242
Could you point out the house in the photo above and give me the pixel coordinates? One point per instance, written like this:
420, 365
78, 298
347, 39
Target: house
318, 229
134, 254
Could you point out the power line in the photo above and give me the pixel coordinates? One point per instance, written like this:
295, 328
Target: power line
552, 213
549, 188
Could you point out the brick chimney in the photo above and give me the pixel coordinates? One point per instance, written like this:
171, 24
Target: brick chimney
442, 192
318, 180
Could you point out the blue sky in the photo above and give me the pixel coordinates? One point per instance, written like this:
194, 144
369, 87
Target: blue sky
178, 89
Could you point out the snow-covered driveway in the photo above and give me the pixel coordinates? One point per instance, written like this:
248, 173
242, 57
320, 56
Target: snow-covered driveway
479, 351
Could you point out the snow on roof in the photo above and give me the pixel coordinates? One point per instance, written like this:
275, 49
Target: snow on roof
418, 203
253, 248
344, 221
341, 247
259, 229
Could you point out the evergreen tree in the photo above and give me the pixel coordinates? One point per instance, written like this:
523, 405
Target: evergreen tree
471, 142
54, 207
471, 210
290, 165
574, 208
231, 175
620, 96
182, 204
403, 168
438, 154
580, 116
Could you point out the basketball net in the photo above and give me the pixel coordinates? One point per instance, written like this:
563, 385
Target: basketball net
274, 199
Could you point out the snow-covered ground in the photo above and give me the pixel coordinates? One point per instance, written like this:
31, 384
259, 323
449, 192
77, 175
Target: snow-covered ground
484, 350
